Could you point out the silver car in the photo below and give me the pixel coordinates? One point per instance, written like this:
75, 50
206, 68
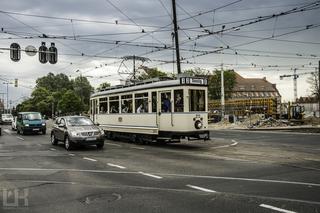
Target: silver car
76, 130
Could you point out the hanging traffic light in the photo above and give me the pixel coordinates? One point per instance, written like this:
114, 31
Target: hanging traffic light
43, 53
53, 54
15, 82
15, 52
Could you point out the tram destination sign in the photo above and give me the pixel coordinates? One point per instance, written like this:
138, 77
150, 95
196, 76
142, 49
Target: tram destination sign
193, 81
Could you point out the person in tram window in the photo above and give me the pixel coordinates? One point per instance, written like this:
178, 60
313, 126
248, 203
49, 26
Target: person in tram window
166, 104
140, 109
178, 103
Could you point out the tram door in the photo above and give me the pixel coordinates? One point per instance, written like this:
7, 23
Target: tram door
164, 109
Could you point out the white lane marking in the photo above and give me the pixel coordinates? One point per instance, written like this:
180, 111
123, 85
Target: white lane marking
133, 147
52, 149
243, 179
90, 159
117, 166
201, 188
276, 208
150, 175
225, 146
72, 154
39, 144
20, 138
112, 144
7, 131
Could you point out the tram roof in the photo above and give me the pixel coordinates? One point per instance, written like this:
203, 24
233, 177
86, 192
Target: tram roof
154, 83
144, 86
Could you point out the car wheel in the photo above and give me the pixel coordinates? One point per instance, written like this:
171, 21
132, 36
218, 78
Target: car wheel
68, 144
100, 145
54, 141
44, 132
18, 131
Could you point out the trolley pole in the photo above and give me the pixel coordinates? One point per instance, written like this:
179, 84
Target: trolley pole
134, 68
222, 93
176, 37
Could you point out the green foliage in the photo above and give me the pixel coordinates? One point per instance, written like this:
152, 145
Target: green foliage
150, 73
215, 84
52, 92
103, 86
70, 103
197, 72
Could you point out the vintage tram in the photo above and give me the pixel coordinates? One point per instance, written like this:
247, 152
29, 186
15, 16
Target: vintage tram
153, 110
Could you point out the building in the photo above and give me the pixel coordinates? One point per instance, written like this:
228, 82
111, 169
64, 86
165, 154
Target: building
1, 106
310, 104
251, 95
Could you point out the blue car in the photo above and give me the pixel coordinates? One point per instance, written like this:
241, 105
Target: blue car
30, 122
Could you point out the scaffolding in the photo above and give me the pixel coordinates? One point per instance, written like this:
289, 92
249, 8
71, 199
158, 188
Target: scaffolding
241, 107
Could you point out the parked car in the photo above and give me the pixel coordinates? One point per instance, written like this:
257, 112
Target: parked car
30, 122
0, 131
14, 123
6, 118
76, 130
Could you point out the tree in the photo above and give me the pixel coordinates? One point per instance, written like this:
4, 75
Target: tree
150, 73
83, 89
197, 72
214, 80
313, 80
103, 86
70, 103
54, 83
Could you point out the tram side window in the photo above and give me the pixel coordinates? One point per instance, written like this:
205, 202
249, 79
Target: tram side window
197, 100
166, 102
178, 100
103, 105
141, 102
126, 103
114, 104
154, 101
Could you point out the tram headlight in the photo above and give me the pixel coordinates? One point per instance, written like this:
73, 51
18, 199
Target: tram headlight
198, 124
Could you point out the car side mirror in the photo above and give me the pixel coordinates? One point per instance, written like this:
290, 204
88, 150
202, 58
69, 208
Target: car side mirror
97, 124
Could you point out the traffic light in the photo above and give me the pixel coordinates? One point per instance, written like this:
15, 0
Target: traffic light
15, 52
53, 54
15, 82
43, 53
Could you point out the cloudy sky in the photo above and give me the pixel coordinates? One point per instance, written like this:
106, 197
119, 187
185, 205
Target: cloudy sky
254, 37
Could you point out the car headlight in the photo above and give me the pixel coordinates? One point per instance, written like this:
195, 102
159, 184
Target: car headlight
198, 124
26, 124
43, 124
75, 134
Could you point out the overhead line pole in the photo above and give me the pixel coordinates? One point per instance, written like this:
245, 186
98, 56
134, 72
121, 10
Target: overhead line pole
176, 37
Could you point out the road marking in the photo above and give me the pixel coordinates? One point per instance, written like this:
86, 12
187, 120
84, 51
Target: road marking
39, 144
90, 159
141, 148
276, 208
45, 181
117, 166
112, 144
52, 149
151, 175
20, 138
201, 188
225, 146
7, 131
71, 154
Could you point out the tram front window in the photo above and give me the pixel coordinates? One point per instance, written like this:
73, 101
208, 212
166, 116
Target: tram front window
114, 104
197, 100
166, 102
178, 100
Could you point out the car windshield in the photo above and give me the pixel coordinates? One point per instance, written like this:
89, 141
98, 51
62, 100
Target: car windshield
32, 116
79, 121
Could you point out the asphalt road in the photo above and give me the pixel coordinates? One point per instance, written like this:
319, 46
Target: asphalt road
237, 171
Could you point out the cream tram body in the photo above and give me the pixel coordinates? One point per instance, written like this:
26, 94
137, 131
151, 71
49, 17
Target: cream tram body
170, 109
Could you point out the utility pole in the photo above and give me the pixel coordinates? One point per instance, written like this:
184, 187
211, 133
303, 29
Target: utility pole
222, 93
295, 76
319, 89
176, 37
134, 68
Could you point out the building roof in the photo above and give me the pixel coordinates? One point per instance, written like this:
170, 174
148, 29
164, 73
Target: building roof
253, 84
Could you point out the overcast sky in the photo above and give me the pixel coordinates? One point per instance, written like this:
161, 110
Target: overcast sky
92, 36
